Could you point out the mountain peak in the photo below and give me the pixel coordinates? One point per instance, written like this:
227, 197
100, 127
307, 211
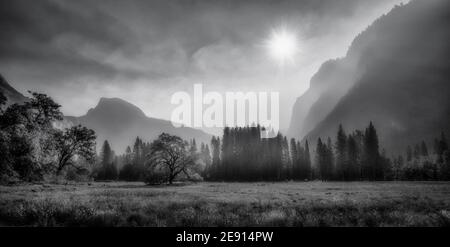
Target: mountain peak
119, 122
114, 108
102, 99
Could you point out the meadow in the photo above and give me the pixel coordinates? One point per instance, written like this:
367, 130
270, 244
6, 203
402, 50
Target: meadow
293, 204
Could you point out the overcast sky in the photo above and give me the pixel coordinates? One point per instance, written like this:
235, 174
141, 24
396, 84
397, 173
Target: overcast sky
144, 51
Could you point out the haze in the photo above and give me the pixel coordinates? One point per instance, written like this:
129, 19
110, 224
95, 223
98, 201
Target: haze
144, 51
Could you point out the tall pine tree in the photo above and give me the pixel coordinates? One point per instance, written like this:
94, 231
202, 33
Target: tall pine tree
342, 171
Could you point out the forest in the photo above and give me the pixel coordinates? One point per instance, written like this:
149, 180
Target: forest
34, 147
241, 155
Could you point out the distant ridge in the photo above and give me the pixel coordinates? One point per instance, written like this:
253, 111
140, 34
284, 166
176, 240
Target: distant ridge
120, 122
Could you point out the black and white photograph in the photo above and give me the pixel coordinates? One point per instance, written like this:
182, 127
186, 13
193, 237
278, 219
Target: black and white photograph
224, 114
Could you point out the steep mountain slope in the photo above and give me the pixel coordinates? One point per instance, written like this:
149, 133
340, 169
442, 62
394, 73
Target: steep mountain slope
403, 84
327, 87
120, 122
11, 94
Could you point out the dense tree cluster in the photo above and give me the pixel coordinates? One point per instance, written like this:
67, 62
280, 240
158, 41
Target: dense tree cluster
420, 163
31, 144
242, 155
353, 157
132, 163
245, 156
107, 167
143, 162
127, 167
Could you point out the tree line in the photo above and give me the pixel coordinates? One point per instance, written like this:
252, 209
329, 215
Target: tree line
34, 146
245, 156
163, 160
352, 157
241, 154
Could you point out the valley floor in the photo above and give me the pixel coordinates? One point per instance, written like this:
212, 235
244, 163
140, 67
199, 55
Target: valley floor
228, 204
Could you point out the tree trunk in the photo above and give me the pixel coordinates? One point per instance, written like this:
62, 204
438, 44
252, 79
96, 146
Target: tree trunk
61, 166
59, 170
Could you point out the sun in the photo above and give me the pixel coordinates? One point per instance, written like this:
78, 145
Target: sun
283, 46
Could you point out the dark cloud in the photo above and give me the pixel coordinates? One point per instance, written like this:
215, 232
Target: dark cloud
31, 29
47, 35
77, 50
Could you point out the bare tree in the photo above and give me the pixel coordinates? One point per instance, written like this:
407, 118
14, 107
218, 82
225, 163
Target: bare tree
170, 156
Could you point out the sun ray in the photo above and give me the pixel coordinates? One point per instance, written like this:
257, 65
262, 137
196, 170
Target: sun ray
282, 46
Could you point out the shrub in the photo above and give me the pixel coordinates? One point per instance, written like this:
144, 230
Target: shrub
78, 175
155, 176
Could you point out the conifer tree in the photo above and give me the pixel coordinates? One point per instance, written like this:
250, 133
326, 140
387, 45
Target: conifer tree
108, 164
442, 146
373, 167
352, 156
286, 158
424, 149
307, 159
321, 154
106, 154
294, 158
416, 152
330, 157
128, 155
409, 154
341, 155
215, 144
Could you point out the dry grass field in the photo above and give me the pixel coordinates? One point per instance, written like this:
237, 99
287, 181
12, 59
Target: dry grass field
227, 204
